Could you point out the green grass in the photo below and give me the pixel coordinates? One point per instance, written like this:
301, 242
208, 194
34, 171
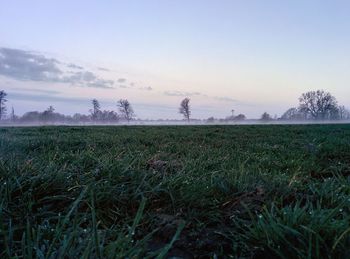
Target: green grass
196, 191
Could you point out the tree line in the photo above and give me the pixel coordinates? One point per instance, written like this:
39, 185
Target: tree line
317, 105
125, 113
313, 105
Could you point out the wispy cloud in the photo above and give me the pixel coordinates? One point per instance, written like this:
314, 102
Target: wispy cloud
34, 90
24, 65
191, 94
225, 99
32, 66
103, 69
87, 78
79, 101
146, 88
121, 80
74, 66
46, 98
184, 94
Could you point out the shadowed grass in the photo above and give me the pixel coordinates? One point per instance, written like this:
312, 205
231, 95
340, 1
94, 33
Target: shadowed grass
116, 192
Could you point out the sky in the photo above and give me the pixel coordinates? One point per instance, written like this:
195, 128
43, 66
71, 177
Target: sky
247, 56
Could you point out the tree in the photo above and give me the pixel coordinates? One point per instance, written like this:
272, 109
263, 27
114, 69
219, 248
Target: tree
333, 114
77, 117
95, 112
48, 114
13, 115
126, 109
211, 120
185, 109
318, 104
3, 100
344, 114
240, 117
293, 114
109, 116
266, 117
32, 116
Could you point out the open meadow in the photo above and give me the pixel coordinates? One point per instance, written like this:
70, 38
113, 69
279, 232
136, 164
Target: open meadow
175, 191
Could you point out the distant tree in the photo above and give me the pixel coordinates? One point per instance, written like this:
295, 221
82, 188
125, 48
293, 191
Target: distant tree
293, 114
210, 119
240, 117
77, 117
318, 104
48, 114
344, 114
3, 100
96, 109
333, 114
33, 116
185, 108
266, 117
50, 110
109, 116
126, 109
13, 115
229, 118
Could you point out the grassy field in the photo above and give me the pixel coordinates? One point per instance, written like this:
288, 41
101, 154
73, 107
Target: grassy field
196, 191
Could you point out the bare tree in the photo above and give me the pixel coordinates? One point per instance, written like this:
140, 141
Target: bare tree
109, 116
96, 109
13, 115
318, 104
344, 114
266, 117
333, 114
240, 117
48, 114
3, 100
211, 120
185, 108
293, 114
126, 109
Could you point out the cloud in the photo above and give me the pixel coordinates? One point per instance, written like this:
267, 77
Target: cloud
184, 94
46, 98
24, 65
121, 80
31, 66
87, 78
35, 90
225, 99
103, 69
71, 65
101, 83
146, 88
190, 94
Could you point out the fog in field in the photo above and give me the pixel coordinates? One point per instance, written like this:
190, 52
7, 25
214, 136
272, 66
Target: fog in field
174, 123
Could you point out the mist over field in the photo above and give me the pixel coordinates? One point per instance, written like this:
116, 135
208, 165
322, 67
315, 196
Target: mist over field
174, 123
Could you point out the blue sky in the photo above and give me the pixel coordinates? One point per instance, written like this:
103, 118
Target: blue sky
250, 56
